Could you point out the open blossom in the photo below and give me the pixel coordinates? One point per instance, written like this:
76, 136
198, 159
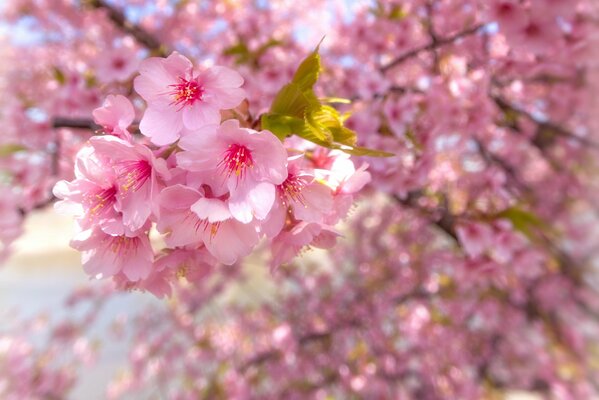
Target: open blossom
117, 63
182, 98
106, 255
510, 14
248, 162
301, 194
115, 116
288, 244
338, 171
190, 219
138, 177
114, 186
193, 265
91, 196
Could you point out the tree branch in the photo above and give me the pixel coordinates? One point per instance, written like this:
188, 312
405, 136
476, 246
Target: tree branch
435, 43
77, 123
554, 127
145, 38
445, 223
88, 124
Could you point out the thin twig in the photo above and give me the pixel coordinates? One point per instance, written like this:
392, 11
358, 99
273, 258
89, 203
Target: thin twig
145, 38
434, 44
76, 123
558, 129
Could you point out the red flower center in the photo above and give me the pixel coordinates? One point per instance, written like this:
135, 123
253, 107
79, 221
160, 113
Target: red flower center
533, 30
118, 63
505, 9
133, 174
122, 244
185, 93
291, 189
236, 160
101, 200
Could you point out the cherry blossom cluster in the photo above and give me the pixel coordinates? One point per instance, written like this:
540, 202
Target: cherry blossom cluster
213, 189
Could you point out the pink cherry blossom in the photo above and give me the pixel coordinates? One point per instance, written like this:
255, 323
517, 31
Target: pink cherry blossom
116, 63
105, 255
181, 97
301, 195
92, 196
115, 116
192, 220
250, 163
139, 177
287, 244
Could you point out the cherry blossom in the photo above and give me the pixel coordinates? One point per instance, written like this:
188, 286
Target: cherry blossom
183, 98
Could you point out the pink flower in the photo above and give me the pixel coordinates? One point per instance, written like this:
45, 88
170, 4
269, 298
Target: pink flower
475, 238
190, 219
181, 98
116, 63
194, 265
306, 198
106, 255
510, 14
115, 116
139, 177
289, 243
250, 163
540, 35
400, 113
92, 196
343, 177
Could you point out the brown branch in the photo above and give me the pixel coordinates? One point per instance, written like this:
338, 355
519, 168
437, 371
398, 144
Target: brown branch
267, 355
435, 43
88, 124
554, 127
510, 171
145, 38
76, 123
445, 223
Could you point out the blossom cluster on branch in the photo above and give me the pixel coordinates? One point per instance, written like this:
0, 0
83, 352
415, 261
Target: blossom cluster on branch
212, 189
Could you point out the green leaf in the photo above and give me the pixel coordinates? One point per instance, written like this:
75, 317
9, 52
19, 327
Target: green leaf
59, 75
523, 221
262, 49
344, 135
362, 151
296, 110
243, 55
11, 148
314, 129
236, 49
282, 126
397, 13
291, 101
308, 71
332, 100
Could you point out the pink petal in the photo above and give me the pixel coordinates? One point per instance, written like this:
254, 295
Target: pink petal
161, 126
153, 82
232, 241
213, 210
178, 197
200, 114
